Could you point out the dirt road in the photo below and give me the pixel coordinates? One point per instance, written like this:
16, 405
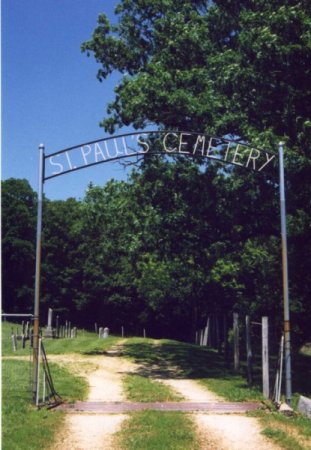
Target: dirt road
94, 431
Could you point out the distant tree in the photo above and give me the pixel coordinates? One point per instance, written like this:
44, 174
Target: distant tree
62, 262
18, 245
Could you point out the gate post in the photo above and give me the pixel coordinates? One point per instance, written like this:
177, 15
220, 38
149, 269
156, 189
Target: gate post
288, 379
36, 320
265, 357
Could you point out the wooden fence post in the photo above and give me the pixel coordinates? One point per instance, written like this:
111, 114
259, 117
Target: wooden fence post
236, 342
249, 354
57, 326
225, 325
14, 342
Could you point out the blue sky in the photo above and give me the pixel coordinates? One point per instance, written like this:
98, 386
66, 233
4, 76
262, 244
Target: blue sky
50, 92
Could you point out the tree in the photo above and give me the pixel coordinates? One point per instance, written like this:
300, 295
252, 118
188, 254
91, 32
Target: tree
239, 69
18, 245
62, 260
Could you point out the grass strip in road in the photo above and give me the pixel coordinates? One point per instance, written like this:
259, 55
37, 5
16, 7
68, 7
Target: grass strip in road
155, 430
24, 427
142, 389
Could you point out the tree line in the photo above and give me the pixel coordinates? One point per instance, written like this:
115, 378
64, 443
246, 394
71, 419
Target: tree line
181, 238
162, 250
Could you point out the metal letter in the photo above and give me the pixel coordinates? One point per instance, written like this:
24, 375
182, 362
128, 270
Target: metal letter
169, 150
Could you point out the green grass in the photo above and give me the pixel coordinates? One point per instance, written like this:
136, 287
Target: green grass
292, 432
85, 343
171, 359
142, 389
157, 430
157, 359
233, 388
23, 426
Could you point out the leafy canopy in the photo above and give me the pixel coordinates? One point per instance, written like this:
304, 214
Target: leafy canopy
239, 68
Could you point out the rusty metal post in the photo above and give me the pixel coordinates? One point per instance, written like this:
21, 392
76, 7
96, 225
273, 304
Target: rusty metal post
288, 377
36, 319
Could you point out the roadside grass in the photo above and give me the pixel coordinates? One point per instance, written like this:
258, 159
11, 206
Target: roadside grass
154, 430
292, 432
142, 389
25, 427
233, 389
85, 343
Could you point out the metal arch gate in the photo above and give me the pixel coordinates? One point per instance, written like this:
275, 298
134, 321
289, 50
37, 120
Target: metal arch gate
188, 144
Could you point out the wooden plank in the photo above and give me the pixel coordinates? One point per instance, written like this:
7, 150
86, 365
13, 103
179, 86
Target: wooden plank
236, 342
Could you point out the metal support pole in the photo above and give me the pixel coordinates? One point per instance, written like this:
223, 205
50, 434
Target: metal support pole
38, 372
37, 278
288, 378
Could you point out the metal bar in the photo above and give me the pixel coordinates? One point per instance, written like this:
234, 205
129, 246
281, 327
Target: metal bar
287, 346
160, 132
265, 357
38, 373
16, 315
166, 154
157, 134
278, 399
44, 387
36, 322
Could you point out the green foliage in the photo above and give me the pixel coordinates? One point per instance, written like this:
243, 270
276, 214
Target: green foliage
18, 252
229, 68
61, 258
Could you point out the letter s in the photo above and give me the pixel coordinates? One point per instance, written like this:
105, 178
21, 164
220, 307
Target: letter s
143, 143
61, 168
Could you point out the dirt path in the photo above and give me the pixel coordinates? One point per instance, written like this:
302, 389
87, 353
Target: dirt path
91, 431
94, 431
221, 431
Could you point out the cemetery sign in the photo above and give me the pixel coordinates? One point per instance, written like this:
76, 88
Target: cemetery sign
167, 143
